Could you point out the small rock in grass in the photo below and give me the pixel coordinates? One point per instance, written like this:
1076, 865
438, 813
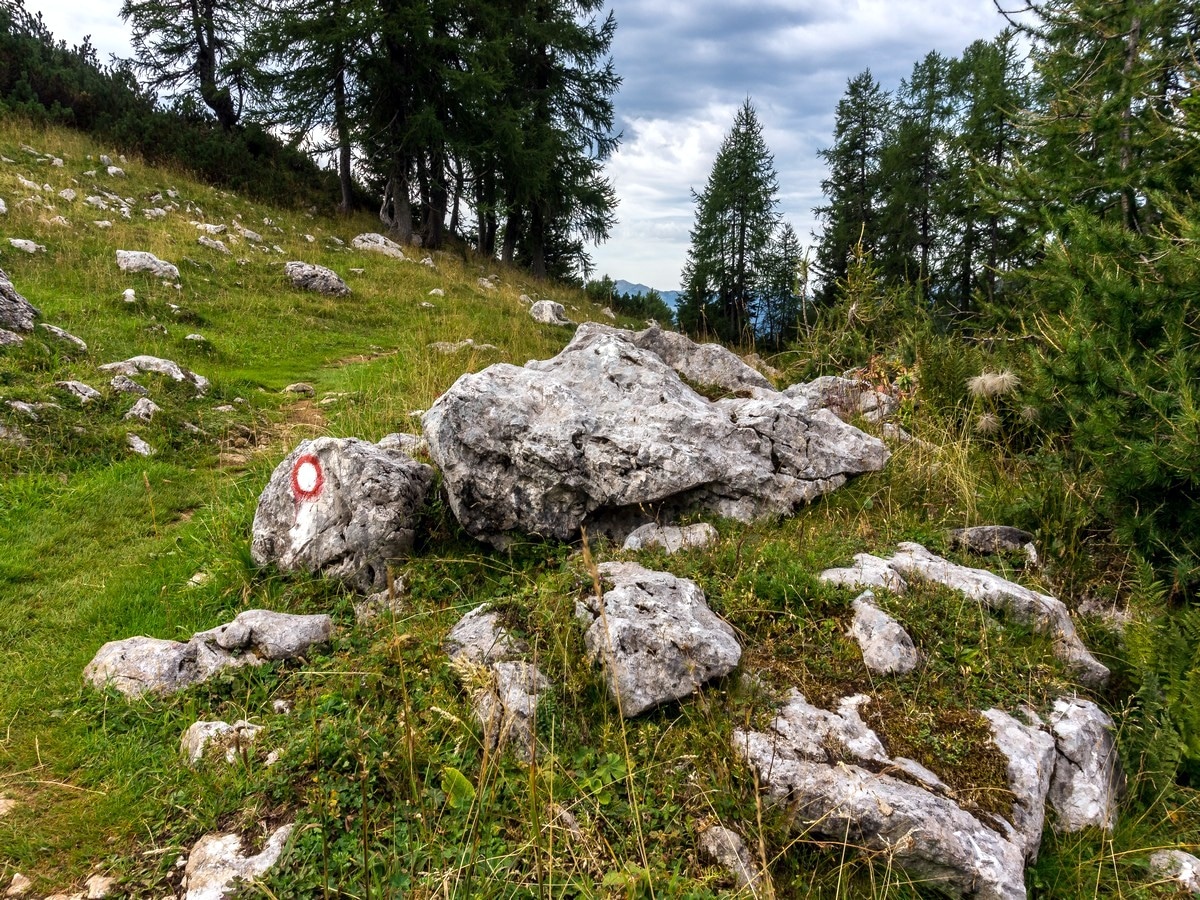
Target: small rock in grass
99, 886
129, 296
217, 861
213, 244
154, 364
138, 446
195, 337
19, 887
116, 172
10, 338
727, 849
437, 292
310, 277
7, 805
12, 436
27, 246
141, 261
230, 741
300, 387
887, 648
547, 312
64, 336
68, 195
672, 538
84, 392
1177, 866
144, 409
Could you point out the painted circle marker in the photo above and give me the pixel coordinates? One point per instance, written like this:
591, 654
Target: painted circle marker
307, 478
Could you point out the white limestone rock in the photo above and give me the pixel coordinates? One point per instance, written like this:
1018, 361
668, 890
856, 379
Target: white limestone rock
1177, 866
672, 538
26, 246
310, 277
845, 398
159, 366
65, 336
142, 261
217, 862
547, 312
867, 572
144, 409
84, 392
887, 648
726, 848
1031, 761
213, 244
377, 243
139, 446
16, 313
208, 738
1088, 778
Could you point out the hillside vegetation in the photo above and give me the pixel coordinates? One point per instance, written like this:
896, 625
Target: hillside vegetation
380, 761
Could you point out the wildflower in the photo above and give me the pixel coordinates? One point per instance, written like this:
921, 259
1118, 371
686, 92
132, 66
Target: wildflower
988, 423
993, 384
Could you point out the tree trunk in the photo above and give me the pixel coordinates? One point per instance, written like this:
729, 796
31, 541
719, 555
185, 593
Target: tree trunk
459, 182
1129, 210
345, 158
396, 211
215, 97
512, 227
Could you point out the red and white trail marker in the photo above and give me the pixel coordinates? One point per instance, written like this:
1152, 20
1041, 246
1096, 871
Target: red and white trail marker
307, 478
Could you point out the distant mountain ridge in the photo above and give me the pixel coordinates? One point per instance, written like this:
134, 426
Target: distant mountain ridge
671, 298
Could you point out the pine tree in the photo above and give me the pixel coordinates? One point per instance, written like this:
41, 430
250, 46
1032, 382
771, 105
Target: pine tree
735, 218
780, 286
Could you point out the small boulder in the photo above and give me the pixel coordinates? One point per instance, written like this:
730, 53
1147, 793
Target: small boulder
726, 848
342, 507
68, 194
655, 637
212, 244
1088, 779
310, 277
1031, 762
26, 246
154, 364
867, 572
377, 243
85, 392
143, 409
478, 637
217, 861
547, 312
887, 648
123, 384
302, 388
207, 738
1177, 866
138, 446
16, 313
10, 338
65, 336
141, 261
13, 436
672, 538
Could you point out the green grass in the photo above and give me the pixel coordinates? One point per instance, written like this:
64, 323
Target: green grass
381, 763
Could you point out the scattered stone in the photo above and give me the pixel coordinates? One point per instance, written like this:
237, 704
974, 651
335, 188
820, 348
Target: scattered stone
887, 648
16, 313
3, 207
357, 271
144, 409
210, 229
547, 312
141, 261
1175, 865
310, 239
481, 639
655, 636
526, 299
140, 665
116, 172
1088, 779
206, 738
377, 243
428, 261
310, 277
102, 223
10, 338
726, 848
217, 861
609, 313
7, 805
123, 384
455, 346
988, 539
199, 338
806, 762
486, 284
84, 392
867, 572
412, 444
607, 432
13, 436
68, 195
427, 306
105, 159
300, 387
388, 602
27, 246
437, 292
65, 336
845, 398
1042, 612
213, 244
19, 886
96, 202
154, 212
672, 538
170, 368
99, 886
27, 184
342, 507
59, 221
139, 446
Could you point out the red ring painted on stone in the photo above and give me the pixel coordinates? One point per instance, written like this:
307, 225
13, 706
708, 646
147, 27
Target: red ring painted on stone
308, 479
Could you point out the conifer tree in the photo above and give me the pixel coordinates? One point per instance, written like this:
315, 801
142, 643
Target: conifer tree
735, 219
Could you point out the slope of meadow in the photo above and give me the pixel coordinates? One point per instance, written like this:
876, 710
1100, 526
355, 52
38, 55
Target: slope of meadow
380, 762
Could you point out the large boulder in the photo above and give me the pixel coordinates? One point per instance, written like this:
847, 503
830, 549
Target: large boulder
311, 277
834, 778
655, 636
142, 261
341, 507
607, 431
16, 313
145, 665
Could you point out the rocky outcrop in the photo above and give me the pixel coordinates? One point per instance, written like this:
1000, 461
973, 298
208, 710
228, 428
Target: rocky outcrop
672, 538
16, 313
1031, 760
145, 665
607, 429
340, 507
1088, 779
887, 648
547, 312
655, 637
141, 261
867, 572
217, 861
377, 243
836, 780
311, 277
153, 364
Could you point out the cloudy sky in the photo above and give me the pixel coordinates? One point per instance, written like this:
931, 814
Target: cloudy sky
687, 66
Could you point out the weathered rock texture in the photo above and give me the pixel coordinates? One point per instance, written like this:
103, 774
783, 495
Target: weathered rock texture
672, 538
846, 398
141, 665
16, 313
547, 312
886, 647
655, 636
1088, 779
986, 539
311, 277
377, 243
168, 367
867, 572
607, 429
1177, 866
342, 507
217, 738
1031, 760
727, 849
141, 261
806, 762
217, 861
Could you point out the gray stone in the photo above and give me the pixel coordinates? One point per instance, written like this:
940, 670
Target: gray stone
65, 336
377, 243
655, 637
115, 172
727, 849
10, 338
217, 861
84, 392
607, 429
845, 398
1031, 762
98, 887
16, 313
143, 409
13, 436
140, 665
154, 212
867, 572
672, 538
154, 364
139, 446
386, 603
547, 312
1177, 866
310, 277
455, 346
19, 886
887, 648
26, 246
478, 637
141, 261
210, 229
804, 763
300, 387
3, 207
212, 244
123, 384
987, 539
1088, 779
341, 507
207, 738
411, 444
1041, 611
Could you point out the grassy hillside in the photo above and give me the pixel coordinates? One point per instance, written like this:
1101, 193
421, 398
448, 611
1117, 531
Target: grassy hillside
380, 760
